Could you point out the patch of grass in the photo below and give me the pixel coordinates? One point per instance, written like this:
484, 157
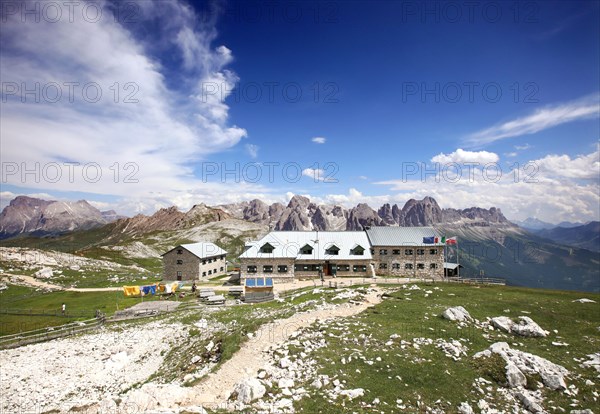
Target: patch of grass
425, 377
492, 368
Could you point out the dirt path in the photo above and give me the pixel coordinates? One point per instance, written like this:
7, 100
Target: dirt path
215, 389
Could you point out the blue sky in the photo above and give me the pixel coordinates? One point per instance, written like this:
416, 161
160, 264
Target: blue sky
345, 102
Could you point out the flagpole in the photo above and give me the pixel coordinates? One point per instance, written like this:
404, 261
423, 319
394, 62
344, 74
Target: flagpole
457, 264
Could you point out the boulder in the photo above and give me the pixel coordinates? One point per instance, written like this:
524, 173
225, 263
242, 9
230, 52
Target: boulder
457, 313
504, 323
515, 377
249, 390
352, 394
45, 273
530, 402
528, 364
527, 327
465, 408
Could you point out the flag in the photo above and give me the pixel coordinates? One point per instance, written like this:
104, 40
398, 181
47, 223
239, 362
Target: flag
444, 239
436, 240
451, 240
428, 240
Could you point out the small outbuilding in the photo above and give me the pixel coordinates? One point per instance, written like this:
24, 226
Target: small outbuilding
194, 261
451, 269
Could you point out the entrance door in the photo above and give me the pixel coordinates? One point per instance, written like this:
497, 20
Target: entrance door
331, 269
179, 276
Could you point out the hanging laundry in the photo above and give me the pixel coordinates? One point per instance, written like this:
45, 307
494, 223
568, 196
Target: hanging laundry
131, 290
168, 289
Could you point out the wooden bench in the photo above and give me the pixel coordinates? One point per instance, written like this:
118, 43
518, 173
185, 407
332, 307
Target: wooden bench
206, 293
236, 291
215, 300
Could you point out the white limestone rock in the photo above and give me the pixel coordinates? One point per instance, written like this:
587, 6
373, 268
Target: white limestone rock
457, 313
45, 273
465, 408
352, 394
249, 390
553, 375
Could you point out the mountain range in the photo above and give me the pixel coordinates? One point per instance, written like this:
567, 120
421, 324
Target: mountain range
40, 217
489, 244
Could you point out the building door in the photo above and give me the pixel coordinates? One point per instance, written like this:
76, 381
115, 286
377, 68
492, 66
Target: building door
179, 276
331, 269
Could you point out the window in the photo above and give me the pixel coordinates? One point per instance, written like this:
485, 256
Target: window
179, 251
420, 266
396, 266
282, 269
358, 268
433, 251
179, 261
332, 250
215, 271
343, 268
383, 265
203, 273
408, 266
179, 274
382, 252
420, 252
433, 266
307, 267
306, 249
251, 269
266, 248
408, 252
221, 269
357, 250
396, 251
203, 261
209, 260
210, 272
268, 269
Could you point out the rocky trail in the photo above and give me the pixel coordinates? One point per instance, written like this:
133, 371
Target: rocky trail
253, 356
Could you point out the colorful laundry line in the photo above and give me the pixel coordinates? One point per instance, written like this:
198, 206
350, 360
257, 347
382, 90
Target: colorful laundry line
152, 289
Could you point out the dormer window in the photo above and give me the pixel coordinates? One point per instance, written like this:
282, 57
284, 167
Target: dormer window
307, 249
267, 248
357, 250
179, 251
332, 250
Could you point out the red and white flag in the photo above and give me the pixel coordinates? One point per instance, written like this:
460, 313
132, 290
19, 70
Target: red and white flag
451, 240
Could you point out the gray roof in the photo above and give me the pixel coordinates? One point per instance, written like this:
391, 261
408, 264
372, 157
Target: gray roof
203, 249
287, 244
402, 236
451, 266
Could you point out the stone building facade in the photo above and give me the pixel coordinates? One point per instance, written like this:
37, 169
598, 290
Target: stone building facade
194, 261
384, 251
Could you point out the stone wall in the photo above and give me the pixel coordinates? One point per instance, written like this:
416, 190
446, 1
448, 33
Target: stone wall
191, 267
260, 270
393, 260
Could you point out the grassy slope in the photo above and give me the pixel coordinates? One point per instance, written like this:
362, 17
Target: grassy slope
23, 298
438, 377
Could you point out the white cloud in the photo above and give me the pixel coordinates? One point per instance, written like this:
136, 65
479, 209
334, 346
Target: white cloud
363, 177
583, 167
544, 118
180, 83
319, 140
252, 150
554, 188
511, 154
319, 175
523, 147
461, 156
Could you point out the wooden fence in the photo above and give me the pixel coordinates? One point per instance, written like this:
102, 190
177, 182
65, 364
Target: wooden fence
46, 334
